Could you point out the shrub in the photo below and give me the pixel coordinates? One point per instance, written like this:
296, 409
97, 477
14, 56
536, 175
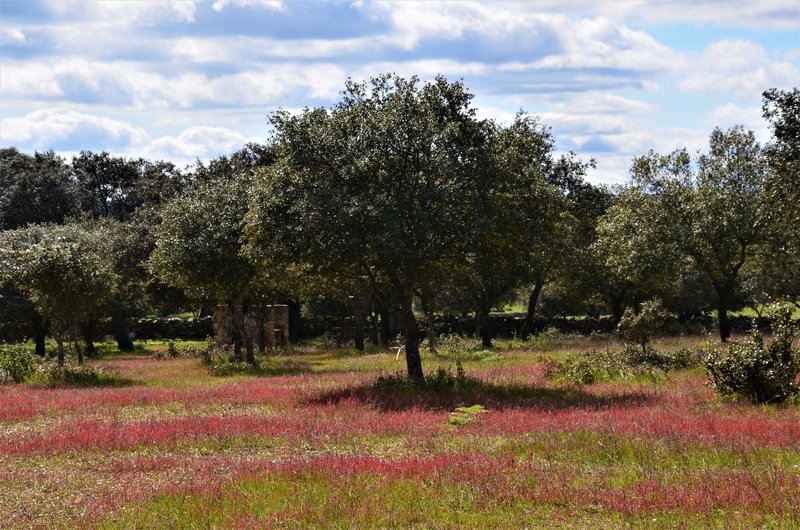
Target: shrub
17, 363
638, 327
51, 375
755, 371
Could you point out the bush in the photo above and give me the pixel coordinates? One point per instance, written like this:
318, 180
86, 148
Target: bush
17, 363
590, 367
637, 327
757, 372
51, 375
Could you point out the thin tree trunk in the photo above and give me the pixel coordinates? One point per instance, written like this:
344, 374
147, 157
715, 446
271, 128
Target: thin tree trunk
374, 328
39, 333
386, 329
236, 328
724, 323
361, 322
486, 328
411, 329
616, 308
533, 300
60, 350
87, 332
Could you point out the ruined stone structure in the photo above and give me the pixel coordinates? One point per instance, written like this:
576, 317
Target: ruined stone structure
268, 329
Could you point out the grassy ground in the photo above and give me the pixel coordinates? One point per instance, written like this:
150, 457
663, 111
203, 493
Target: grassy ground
312, 442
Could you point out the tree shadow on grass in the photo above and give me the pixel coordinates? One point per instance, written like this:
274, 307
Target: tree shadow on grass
397, 396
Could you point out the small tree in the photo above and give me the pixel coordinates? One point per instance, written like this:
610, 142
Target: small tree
64, 273
639, 327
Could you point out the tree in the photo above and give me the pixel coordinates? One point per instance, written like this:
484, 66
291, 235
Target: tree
62, 269
105, 184
509, 244
376, 187
34, 189
708, 210
199, 244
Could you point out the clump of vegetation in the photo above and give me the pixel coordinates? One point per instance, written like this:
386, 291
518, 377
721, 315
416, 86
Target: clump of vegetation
756, 371
464, 415
589, 367
441, 380
17, 363
49, 374
461, 348
638, 327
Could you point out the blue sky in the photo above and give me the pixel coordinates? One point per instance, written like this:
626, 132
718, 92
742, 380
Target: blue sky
182, 80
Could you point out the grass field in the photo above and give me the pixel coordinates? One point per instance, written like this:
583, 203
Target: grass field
311, 441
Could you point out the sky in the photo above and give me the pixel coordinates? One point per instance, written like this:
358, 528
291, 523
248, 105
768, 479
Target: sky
189, 80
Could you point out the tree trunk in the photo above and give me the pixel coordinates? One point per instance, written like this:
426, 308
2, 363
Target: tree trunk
262, 333
295, 321
486, 328
119, 327
411, 330
60, 350
373, 331
76, 341
361, 322
87, 332
386, 328
616, 308
724, 323
533, 299
236, 328
39, 333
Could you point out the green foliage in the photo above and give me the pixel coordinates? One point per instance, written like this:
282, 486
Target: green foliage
638, 327
17, 363
64, 270
464, 415
755, 371
51, 375
586, 368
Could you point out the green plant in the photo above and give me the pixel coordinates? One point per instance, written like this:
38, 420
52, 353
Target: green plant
755, 371
638, 327
464, 415
17, 363
52, 375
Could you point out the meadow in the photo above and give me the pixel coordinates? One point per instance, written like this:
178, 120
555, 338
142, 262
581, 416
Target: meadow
311, 439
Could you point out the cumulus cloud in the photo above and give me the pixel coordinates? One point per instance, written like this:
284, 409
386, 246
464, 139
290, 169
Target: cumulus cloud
739, 67
61, 129
198, 142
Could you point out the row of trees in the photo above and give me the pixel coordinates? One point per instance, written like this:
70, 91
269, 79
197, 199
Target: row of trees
399, 199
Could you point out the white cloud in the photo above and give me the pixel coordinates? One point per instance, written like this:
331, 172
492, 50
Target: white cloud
43, 129
124, 12
738, 67
768, 14
274, 5
198, 142
14, 35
